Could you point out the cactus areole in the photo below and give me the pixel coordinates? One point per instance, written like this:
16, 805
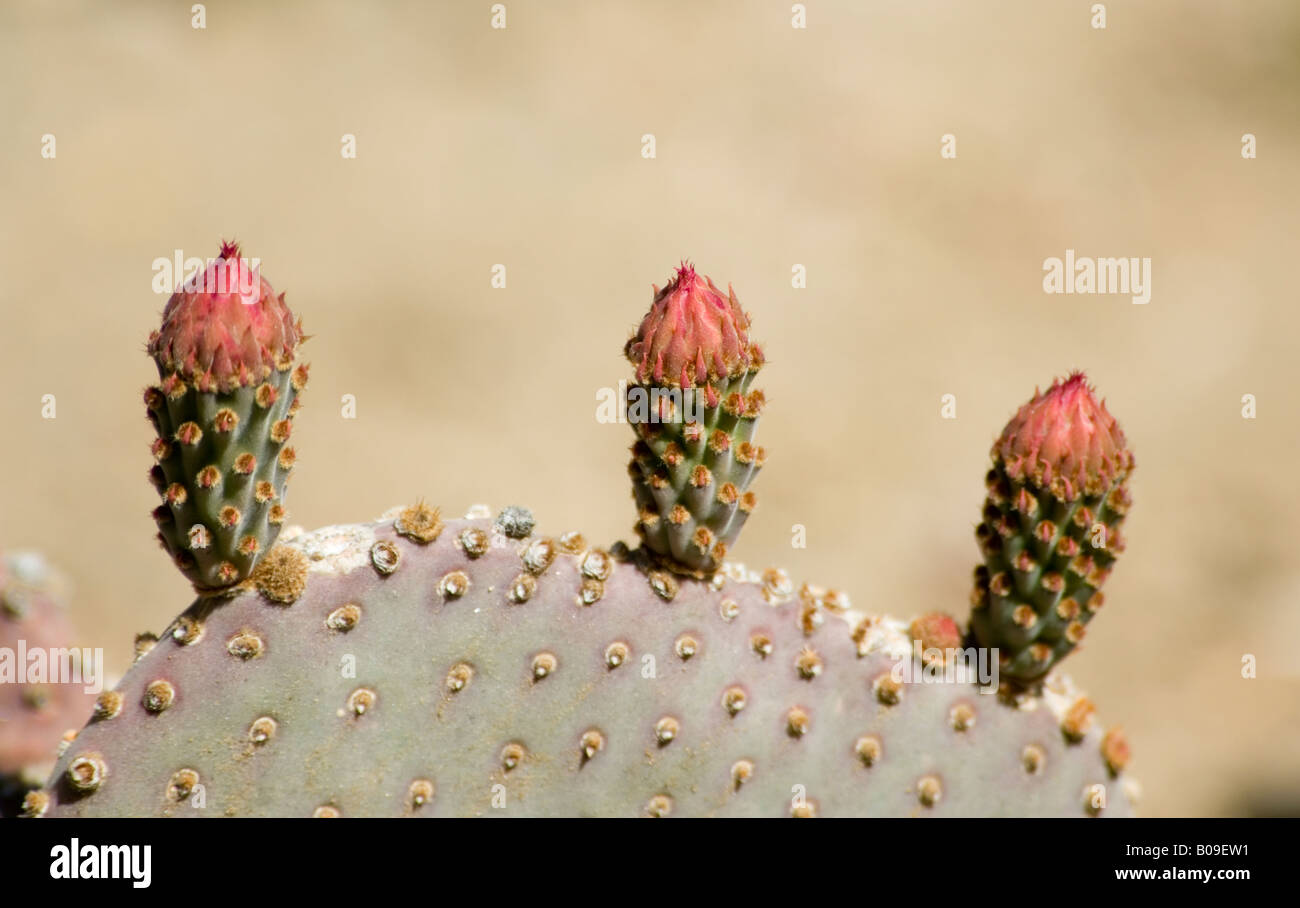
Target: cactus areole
229, 377
1057, 494
694, 412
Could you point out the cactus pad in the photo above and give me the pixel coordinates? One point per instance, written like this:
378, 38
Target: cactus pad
378, 674
34, 717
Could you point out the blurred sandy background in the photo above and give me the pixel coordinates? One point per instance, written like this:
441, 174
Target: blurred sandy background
775, 146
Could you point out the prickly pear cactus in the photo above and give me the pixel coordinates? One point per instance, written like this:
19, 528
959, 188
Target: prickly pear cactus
35, 711
1057, 494
223, 411
694, 409
415, 668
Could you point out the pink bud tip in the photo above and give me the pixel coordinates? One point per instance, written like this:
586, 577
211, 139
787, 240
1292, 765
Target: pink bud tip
692, 334
226, 327
936, 630
1065, 433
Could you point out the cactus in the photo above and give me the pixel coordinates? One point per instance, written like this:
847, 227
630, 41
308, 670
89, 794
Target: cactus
422, 666
1057, 494
34, 716
223, 410
694, 411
